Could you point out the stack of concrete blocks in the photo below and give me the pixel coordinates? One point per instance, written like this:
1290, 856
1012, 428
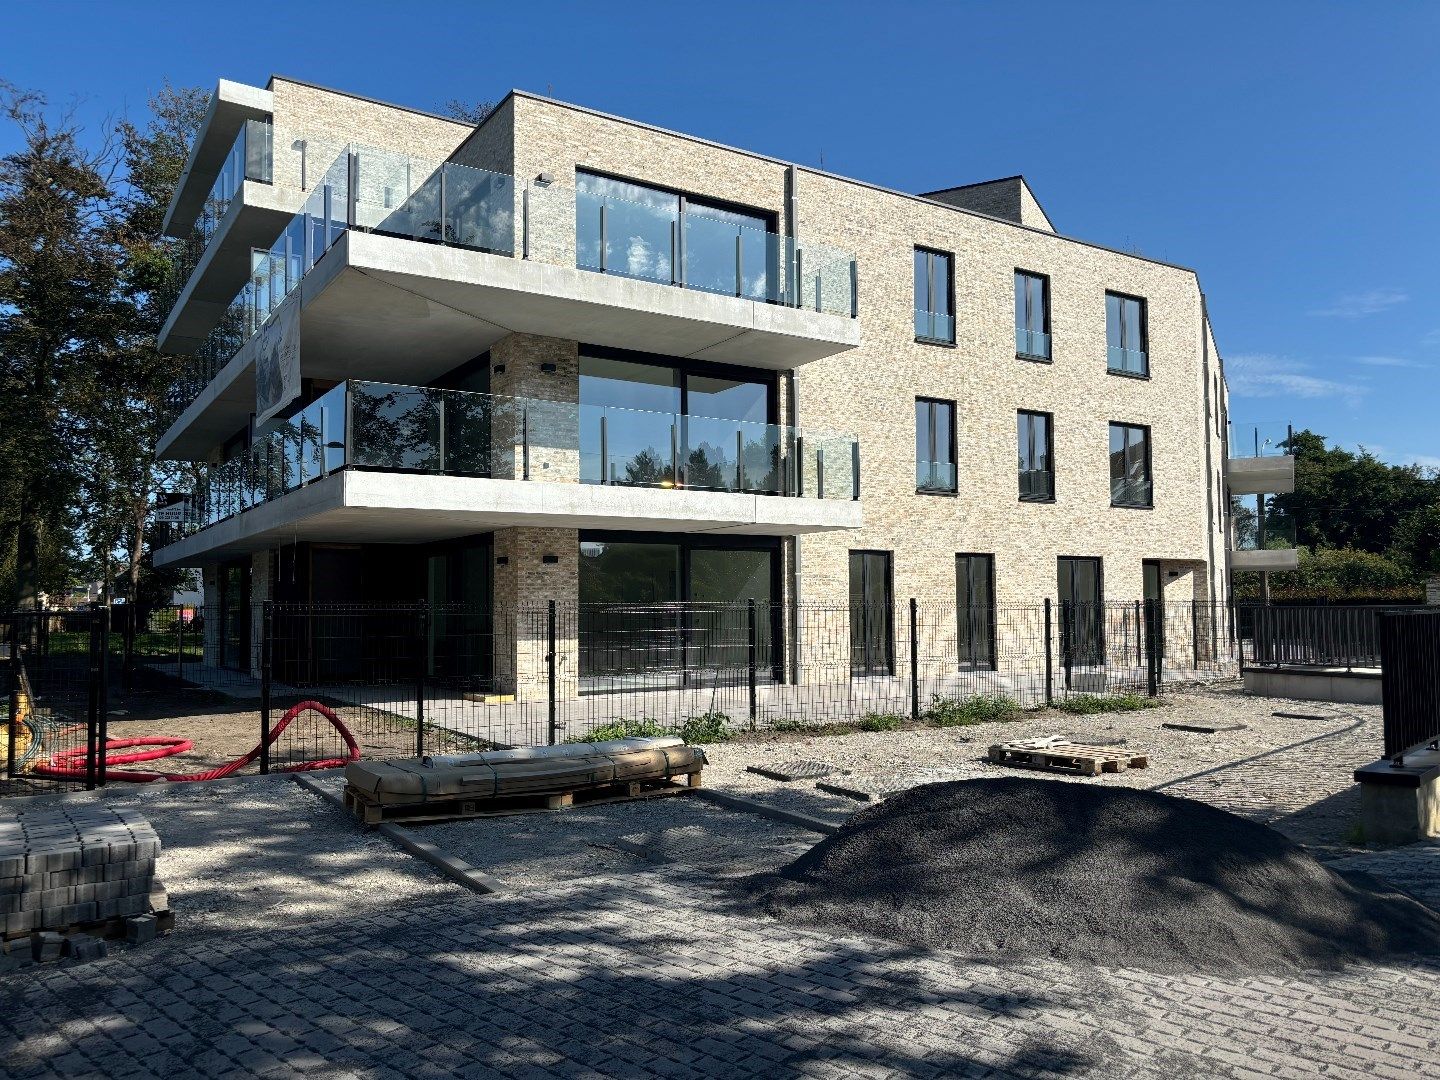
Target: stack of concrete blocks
69, 864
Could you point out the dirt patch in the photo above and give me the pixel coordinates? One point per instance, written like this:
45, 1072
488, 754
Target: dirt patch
1021, 868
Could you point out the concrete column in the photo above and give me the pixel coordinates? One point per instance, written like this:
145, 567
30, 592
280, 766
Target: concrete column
549, 422
525, 581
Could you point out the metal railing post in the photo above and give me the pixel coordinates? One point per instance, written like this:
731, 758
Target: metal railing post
604, 451
524, 222
739, 264
551, 659
267, 659
855, 471
1049, 657
1139, 636
103, 734
604, 239
752, 648
1067, 642
1195, 633
422, 651
914, 660
739, 460
13, 668
525, 441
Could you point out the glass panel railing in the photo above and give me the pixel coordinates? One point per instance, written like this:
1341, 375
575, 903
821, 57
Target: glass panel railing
1032, 343
390, 427
1037, 484
935, 476
1268, 439
1277, 531
1131, 492
1128, 361
934, 326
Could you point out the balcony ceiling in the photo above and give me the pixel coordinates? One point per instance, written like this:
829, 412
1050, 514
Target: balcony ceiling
402, 508
232, 105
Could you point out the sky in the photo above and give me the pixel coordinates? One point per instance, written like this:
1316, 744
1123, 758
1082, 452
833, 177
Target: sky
1287, 151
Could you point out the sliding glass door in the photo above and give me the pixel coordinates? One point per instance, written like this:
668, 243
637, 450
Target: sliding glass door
1082, 611
872, 636
975, 610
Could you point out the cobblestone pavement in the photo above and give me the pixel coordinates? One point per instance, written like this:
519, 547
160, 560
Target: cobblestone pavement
654, 974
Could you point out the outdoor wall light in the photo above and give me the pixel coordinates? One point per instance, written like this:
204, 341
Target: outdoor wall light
549, 560
502, 560
544, 179
499, 369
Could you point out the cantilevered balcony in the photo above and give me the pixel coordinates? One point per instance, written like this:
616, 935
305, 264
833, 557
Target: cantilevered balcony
1260, 460
404, 270
376, 461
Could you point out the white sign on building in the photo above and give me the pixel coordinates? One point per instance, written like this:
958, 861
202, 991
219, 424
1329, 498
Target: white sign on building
277, 361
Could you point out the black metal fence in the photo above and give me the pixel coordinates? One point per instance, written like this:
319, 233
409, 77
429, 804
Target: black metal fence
1409, 647
1335, 636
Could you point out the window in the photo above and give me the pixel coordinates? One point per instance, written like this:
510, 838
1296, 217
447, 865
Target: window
1032, 316
934, 296
1080, 584
1125, 335
935, 446
1034, 443
975, 607
1130, 465
871, 635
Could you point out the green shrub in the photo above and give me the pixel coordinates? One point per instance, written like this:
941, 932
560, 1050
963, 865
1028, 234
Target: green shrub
954, 712
708, 727
621, 729
1085, 704
879, 721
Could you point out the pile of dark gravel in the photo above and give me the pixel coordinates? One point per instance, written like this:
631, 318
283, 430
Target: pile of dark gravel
1017, 868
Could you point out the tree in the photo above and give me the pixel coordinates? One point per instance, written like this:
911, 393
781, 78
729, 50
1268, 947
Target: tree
470, 112
59, 309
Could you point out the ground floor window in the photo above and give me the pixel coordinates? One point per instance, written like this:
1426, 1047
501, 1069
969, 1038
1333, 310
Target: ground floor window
677, 606
872, 637
975, 610
235, 615
1082, 613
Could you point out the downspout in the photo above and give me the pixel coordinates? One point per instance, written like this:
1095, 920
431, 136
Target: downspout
1210, 508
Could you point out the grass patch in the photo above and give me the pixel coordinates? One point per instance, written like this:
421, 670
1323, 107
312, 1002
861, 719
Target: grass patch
710, 727
880, 721
954, 712
1086, 704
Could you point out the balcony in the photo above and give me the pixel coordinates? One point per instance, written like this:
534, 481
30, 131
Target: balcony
1260, 460
251, 157
405, 464
1132, 362
412, 269
1134, 492
1262, 539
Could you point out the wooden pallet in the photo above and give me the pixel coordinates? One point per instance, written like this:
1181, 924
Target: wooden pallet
369, 812
1068, 757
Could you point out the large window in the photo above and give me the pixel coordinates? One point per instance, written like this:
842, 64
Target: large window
1130, 465
1125, 334
975, 610
1081, 587
871, 612
676, 609
1032, 316
934, 297
642, 231
1035, 448
648, 423
935, 446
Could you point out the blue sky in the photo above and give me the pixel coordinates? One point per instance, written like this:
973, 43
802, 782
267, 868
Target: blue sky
1287, 150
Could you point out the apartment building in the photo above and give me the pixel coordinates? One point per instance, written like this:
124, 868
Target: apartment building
569, 356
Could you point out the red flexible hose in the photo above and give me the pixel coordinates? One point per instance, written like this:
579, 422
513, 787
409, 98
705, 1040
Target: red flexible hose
74, 763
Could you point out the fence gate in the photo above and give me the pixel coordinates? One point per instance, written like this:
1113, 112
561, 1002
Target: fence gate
57, 674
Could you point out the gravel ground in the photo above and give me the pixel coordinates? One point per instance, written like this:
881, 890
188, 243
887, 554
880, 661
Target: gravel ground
1293, 774
1015, 866
260, 853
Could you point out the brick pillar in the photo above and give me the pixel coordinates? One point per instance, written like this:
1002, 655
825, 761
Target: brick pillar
210, 610
262, 588
549, 422
525, 582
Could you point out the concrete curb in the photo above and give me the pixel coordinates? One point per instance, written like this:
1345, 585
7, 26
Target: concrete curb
774, 813
462, 873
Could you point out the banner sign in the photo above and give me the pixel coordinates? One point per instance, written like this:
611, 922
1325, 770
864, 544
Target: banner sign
277, 362
174, 514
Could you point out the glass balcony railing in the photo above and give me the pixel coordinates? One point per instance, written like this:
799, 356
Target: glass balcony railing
1269, 439
1037, 484
251, 157
934, 326
1032, 343
1131, 492
1250, 533
933, 476
441, 202
389, 427
1128, 361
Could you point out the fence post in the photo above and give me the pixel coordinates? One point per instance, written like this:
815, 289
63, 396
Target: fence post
103, 733
1140, 629
267, 658
422, 656
1049, 657
914, 660
1152, 653
1067, 644
1195, 632
550, 661
92, 710
752, 646
127, 645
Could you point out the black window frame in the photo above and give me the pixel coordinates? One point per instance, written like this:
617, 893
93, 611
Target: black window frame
1044, 279
887, 668
949, 256
1144, 349
1049, 455
1149, 503
992, 615
954, 488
